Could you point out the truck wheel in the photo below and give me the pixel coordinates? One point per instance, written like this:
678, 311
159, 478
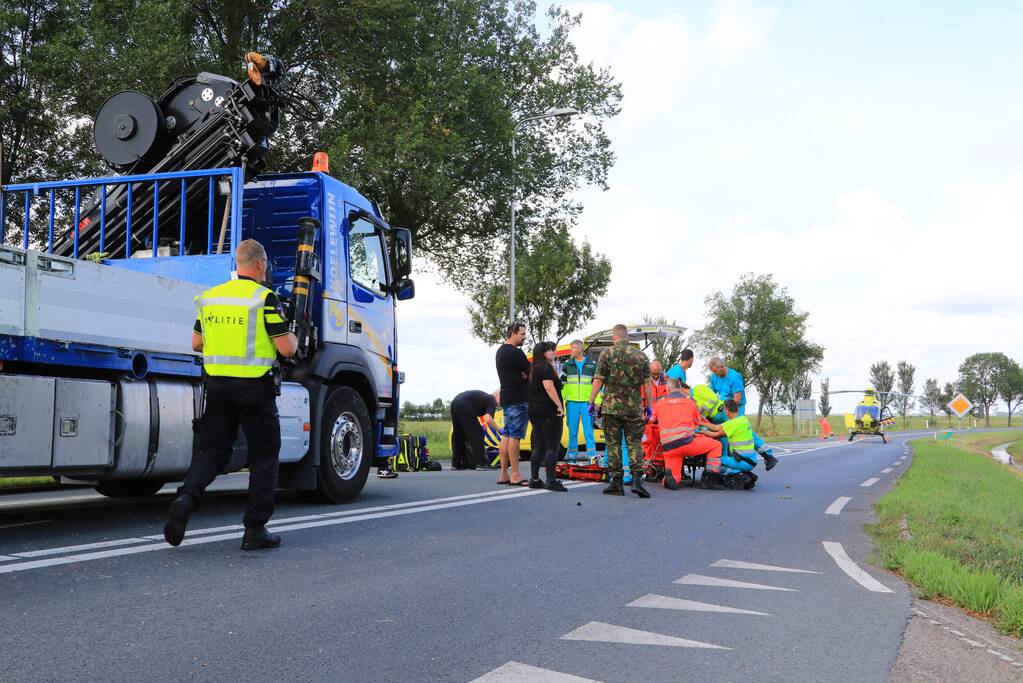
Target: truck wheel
347, 448
129, 488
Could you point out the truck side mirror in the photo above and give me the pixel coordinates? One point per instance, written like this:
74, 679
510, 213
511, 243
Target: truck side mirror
404, 289
402, 256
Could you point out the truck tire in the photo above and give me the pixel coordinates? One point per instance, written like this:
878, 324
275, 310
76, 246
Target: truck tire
347, 448
129, 488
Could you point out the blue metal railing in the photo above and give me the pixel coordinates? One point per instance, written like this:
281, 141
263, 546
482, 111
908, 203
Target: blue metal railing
134, 183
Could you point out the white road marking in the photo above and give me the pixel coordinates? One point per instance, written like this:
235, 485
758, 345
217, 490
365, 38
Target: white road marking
846, 564
836, 507
273, 523
4, 558
735, 564
887, 470
201, 540
599, 632
664, 602
14, 526
700, 580
870, 482
514, 672
46, 501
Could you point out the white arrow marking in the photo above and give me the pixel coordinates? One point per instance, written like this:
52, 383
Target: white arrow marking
836, 507
600, 632
700, 580
664, 602
514, 672
870, 482
735, 564
846, 564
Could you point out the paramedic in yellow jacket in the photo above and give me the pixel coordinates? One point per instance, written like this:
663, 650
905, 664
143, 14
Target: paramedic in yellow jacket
240, 330
577, 377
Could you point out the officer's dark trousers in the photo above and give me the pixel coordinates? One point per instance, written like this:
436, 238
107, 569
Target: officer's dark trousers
466, 431
250, 403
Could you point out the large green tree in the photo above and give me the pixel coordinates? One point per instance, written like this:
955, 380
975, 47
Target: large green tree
560, 283
417, 101
978, 380
882, 379
904, 400
758, 330
1010, 386
667, 350
930, 399
824, 402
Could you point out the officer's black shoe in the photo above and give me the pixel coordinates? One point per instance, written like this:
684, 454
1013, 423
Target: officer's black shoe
736, 482
669, 481
177, 518
536, 484
751, 481
258, 538
614, 486
712, 481
555, 485
769, 462
638, 488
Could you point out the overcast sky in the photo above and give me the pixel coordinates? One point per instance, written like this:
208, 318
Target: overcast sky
867, 154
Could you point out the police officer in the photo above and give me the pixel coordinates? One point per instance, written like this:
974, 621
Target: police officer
240, 330
623, 373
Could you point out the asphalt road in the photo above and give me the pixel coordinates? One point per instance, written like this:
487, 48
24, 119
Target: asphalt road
443, 576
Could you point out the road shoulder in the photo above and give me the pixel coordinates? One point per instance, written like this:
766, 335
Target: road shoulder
945, 643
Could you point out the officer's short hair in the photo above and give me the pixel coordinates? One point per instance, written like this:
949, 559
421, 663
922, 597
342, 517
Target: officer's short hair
248, 252
576, 341
715, 361
687, 354
731, 406
674, 383
620, 331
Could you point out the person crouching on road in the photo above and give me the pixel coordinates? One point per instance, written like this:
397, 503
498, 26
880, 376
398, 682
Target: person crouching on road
546, 416
739, 456
513, 371
678, 418
577, 376
239, 391
622, 372
466, 410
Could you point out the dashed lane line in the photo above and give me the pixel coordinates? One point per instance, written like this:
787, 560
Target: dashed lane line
516, 672
700, 580
846, 564
735, 564
870, 482
887, 470
664, 602
836, 507
599, 632
214, 538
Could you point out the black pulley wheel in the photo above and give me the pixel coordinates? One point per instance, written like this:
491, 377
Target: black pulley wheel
129, 127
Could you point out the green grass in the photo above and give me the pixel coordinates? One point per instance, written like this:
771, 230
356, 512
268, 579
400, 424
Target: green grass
965, 520
1016, 451
436, 432
19, 482
782, 428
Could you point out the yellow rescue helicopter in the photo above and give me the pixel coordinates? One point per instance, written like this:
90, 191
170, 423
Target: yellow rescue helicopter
870, 417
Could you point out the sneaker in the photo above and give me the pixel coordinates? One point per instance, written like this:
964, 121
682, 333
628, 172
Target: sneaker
536, 484
387, 474
555, 485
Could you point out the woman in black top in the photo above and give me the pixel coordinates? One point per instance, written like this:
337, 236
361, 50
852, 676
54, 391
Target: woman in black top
546, 415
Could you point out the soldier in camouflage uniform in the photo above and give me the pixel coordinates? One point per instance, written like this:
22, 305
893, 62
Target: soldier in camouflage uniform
623, 371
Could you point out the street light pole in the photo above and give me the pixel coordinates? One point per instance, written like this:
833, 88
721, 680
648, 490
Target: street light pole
550, 113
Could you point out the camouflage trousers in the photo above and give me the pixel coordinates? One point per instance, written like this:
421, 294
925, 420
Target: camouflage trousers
632, 428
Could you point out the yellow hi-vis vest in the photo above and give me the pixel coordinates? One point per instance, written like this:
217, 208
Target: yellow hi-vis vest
707, 400
740, 439
577, 384
235, 341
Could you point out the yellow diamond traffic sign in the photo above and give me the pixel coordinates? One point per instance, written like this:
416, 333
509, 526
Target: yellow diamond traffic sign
960, 405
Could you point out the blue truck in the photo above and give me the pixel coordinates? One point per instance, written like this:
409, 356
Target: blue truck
98, 380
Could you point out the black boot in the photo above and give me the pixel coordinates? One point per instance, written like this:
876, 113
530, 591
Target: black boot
177, 518
711, 480
669, 481
258, 538
751, 481
614, 486
637, 486
769, 461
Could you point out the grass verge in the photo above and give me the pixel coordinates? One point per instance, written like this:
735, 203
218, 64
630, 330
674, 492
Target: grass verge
21, 482
965, 528
1016, 451
436, 432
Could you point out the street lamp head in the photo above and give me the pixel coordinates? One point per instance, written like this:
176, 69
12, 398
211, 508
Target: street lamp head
561, 111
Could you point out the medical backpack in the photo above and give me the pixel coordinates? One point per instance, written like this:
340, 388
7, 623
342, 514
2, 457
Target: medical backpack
413, 455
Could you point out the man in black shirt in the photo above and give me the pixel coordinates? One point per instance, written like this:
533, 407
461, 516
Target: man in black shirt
466, 410
513, 371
